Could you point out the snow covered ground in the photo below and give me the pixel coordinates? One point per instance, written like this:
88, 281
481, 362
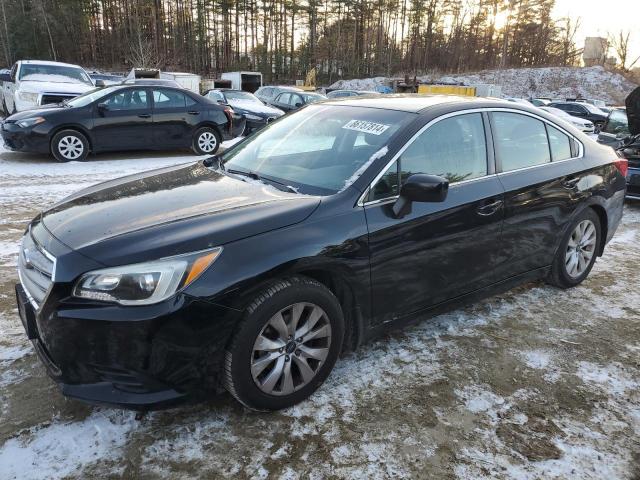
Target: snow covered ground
536, 383
554, 82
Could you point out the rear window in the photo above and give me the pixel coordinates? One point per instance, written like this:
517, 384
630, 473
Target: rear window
520, 141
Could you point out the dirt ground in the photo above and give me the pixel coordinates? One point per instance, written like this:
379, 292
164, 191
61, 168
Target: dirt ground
534, 383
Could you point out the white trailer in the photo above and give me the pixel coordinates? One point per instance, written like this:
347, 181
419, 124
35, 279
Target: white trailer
190, 81
247, 81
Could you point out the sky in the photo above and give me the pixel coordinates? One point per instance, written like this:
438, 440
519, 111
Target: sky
599, 17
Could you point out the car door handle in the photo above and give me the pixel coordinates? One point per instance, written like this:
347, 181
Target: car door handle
489, 208
144, 115
193, 112
571, 183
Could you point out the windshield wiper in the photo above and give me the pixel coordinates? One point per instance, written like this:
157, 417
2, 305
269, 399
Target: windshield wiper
255, 176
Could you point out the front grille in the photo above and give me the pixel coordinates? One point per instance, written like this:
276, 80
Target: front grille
35, 268
55, 98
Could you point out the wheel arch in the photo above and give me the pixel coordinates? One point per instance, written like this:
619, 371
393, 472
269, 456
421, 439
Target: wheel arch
604, 225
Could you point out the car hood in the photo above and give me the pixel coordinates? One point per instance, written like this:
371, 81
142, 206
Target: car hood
42, 86
36, 112
170, 211
633, 111
255, 107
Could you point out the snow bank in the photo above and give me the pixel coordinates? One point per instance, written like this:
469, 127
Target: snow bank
554, 82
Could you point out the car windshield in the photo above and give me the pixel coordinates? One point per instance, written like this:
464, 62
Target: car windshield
245, 96
593, 109
312, 97
320, 150
89, 97
53, 73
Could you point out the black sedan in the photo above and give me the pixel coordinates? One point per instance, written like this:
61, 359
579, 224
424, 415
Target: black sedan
291, 101
123, 117
256, 113
255, 270
583, 110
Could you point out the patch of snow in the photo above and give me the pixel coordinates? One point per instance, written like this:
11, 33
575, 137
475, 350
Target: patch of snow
537, 359
612, 378
63, 449
477, 399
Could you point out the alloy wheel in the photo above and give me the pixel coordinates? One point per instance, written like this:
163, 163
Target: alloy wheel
207, 142
70, 147
580, 248
290, 349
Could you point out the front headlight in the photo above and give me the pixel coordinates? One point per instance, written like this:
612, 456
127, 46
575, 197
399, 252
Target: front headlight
252, 117
28, 97
144, 283
30, 122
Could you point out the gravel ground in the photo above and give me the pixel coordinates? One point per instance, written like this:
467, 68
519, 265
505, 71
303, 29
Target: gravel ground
534, 383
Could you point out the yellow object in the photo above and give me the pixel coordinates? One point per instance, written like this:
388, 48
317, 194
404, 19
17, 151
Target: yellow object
200, 265
447, 90
310, 81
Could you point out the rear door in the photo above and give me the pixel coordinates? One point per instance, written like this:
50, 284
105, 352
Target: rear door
175, 115
540, 174
125, 121
439, 250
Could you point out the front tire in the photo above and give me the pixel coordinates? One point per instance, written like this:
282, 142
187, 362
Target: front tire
577, 252
285, 346
69, 145
206, 141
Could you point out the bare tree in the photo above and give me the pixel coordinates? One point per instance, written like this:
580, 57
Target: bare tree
620, 44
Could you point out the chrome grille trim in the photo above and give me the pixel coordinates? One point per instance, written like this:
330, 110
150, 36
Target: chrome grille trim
36, 270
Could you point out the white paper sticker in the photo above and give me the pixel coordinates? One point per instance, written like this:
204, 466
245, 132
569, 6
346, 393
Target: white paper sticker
366, 127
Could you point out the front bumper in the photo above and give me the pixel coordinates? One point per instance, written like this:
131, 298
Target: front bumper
141, 358
25, 139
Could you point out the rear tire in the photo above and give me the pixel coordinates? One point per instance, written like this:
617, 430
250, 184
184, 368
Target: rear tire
206, 141
285, 346
577, 251
69, 146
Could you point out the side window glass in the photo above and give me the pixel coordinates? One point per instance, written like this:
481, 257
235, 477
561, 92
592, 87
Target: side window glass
617, 123
283, 98
560, 144
215, 96
295, 99
453, 148
168, 99
128, 100
190, 102
520, 141
387, 186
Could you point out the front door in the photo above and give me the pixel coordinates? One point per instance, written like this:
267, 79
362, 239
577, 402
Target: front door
122, 121
439, 250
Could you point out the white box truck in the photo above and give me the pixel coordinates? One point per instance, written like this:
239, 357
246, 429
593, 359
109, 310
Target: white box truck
247, 81
190, 81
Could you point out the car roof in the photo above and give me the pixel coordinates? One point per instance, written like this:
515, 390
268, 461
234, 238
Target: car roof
408, 102
48, 62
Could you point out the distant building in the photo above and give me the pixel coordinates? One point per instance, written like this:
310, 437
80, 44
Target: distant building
595, 51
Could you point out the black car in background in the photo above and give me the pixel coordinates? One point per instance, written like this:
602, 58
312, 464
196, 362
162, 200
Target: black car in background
256, 113
291, 101
123, 117
255, 270
615, 128
350, 93
583, 110
268, 93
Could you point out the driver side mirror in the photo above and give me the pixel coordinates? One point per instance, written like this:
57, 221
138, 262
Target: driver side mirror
5, 77
100, 83
420, 188
103, 107
298, 104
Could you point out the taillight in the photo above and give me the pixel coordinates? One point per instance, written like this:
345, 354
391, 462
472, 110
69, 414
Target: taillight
228, 111
622, 164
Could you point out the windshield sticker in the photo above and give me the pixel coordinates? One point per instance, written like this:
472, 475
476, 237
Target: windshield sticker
366, 127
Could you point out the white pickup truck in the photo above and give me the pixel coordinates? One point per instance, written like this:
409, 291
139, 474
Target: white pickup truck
37, 82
